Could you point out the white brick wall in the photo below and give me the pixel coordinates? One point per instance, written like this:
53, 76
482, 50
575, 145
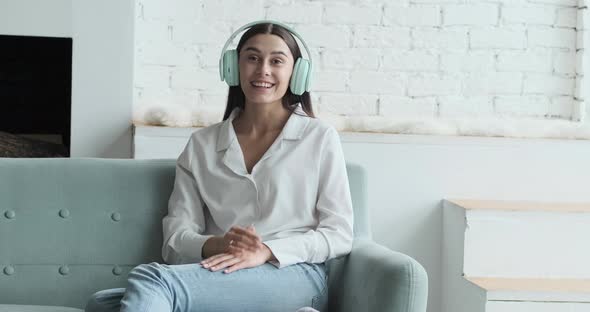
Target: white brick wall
350, 58
380, 37
551, 37
475, 14
529, 15
407, 107
362, 104
472, 61
493, 83
548, 85
433, 85
374, 82
348, 14
424, 61
508, 38
302, 13
465, 107
416, 15
445, 40
530, 105
537, 60
398, 59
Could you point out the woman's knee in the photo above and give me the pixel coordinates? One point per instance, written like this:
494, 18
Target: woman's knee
148, 283
107, 300
149, 272
151, 276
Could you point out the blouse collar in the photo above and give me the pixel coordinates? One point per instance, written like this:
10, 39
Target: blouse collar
293, 129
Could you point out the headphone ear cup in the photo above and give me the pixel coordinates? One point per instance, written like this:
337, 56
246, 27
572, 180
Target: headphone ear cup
309, 75
231, 68
300, 76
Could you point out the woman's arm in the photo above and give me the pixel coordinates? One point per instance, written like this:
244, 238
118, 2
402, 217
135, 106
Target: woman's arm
333, 235
185, 222
214, 246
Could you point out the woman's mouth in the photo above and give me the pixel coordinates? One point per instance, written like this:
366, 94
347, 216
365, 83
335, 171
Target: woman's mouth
261, 85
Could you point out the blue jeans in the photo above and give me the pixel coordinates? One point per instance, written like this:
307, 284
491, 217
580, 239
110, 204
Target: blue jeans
192, 288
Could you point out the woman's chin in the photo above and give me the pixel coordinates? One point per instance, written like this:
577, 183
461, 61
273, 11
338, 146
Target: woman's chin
262, 99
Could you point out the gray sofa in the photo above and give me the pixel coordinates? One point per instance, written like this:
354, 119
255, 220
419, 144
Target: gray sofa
71, 227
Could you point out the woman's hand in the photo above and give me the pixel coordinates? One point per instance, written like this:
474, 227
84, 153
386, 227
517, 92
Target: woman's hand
245, 250
214, 246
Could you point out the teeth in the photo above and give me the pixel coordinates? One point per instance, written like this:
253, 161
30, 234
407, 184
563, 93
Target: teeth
262, 84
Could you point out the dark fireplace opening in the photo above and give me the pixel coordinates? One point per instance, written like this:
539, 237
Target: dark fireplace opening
35, 96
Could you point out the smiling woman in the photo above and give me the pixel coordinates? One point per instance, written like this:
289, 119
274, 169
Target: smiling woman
261, 200
286, 63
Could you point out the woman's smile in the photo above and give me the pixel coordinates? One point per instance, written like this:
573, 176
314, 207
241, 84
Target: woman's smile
262, 87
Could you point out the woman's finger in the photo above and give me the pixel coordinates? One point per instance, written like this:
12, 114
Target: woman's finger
224, 264
238, 238
208, 261
212, 258
238, 266
240, 245
238, 251
243, 232
218, 260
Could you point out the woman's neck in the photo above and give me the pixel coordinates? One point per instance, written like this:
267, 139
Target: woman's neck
260, 119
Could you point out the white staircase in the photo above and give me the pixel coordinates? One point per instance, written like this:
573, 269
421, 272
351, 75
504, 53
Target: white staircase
501, 256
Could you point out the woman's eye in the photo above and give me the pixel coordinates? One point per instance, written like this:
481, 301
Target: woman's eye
278, 61
252, 58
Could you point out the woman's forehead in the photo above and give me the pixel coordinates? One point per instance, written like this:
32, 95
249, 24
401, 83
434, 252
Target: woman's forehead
267, 44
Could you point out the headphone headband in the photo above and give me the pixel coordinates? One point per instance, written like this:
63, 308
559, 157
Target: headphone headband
231, 38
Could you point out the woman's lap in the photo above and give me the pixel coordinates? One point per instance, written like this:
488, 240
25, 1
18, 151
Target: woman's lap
189, 287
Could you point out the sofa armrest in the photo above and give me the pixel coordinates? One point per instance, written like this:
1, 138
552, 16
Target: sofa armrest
374, 278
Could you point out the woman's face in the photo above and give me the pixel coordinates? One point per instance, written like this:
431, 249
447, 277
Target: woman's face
266, 65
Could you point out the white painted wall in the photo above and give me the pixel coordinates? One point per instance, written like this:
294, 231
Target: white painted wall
407, 181
102, 65
102, 78
36, 18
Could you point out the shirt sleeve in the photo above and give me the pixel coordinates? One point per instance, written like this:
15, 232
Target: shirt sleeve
333, 235
185, 222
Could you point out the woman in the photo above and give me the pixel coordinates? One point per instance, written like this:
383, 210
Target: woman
260, 200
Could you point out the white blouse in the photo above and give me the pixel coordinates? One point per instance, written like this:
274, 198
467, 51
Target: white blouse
297, 196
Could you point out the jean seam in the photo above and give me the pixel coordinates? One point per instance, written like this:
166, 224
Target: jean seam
316, 299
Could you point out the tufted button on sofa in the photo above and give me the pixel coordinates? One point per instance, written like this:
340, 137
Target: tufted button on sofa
71, 227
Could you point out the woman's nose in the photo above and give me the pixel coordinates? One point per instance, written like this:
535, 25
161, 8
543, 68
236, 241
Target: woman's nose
264, 68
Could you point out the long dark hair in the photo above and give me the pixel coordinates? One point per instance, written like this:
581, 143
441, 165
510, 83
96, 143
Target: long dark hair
236, 97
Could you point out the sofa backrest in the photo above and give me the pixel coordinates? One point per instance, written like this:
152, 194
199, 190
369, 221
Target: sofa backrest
70, 227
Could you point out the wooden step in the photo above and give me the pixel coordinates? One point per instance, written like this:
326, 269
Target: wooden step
517, 239
515, 256
475, 204
534, 289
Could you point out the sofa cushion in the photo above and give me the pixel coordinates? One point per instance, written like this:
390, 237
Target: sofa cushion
35, 308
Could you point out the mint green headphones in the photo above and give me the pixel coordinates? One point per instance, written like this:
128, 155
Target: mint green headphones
229, 69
